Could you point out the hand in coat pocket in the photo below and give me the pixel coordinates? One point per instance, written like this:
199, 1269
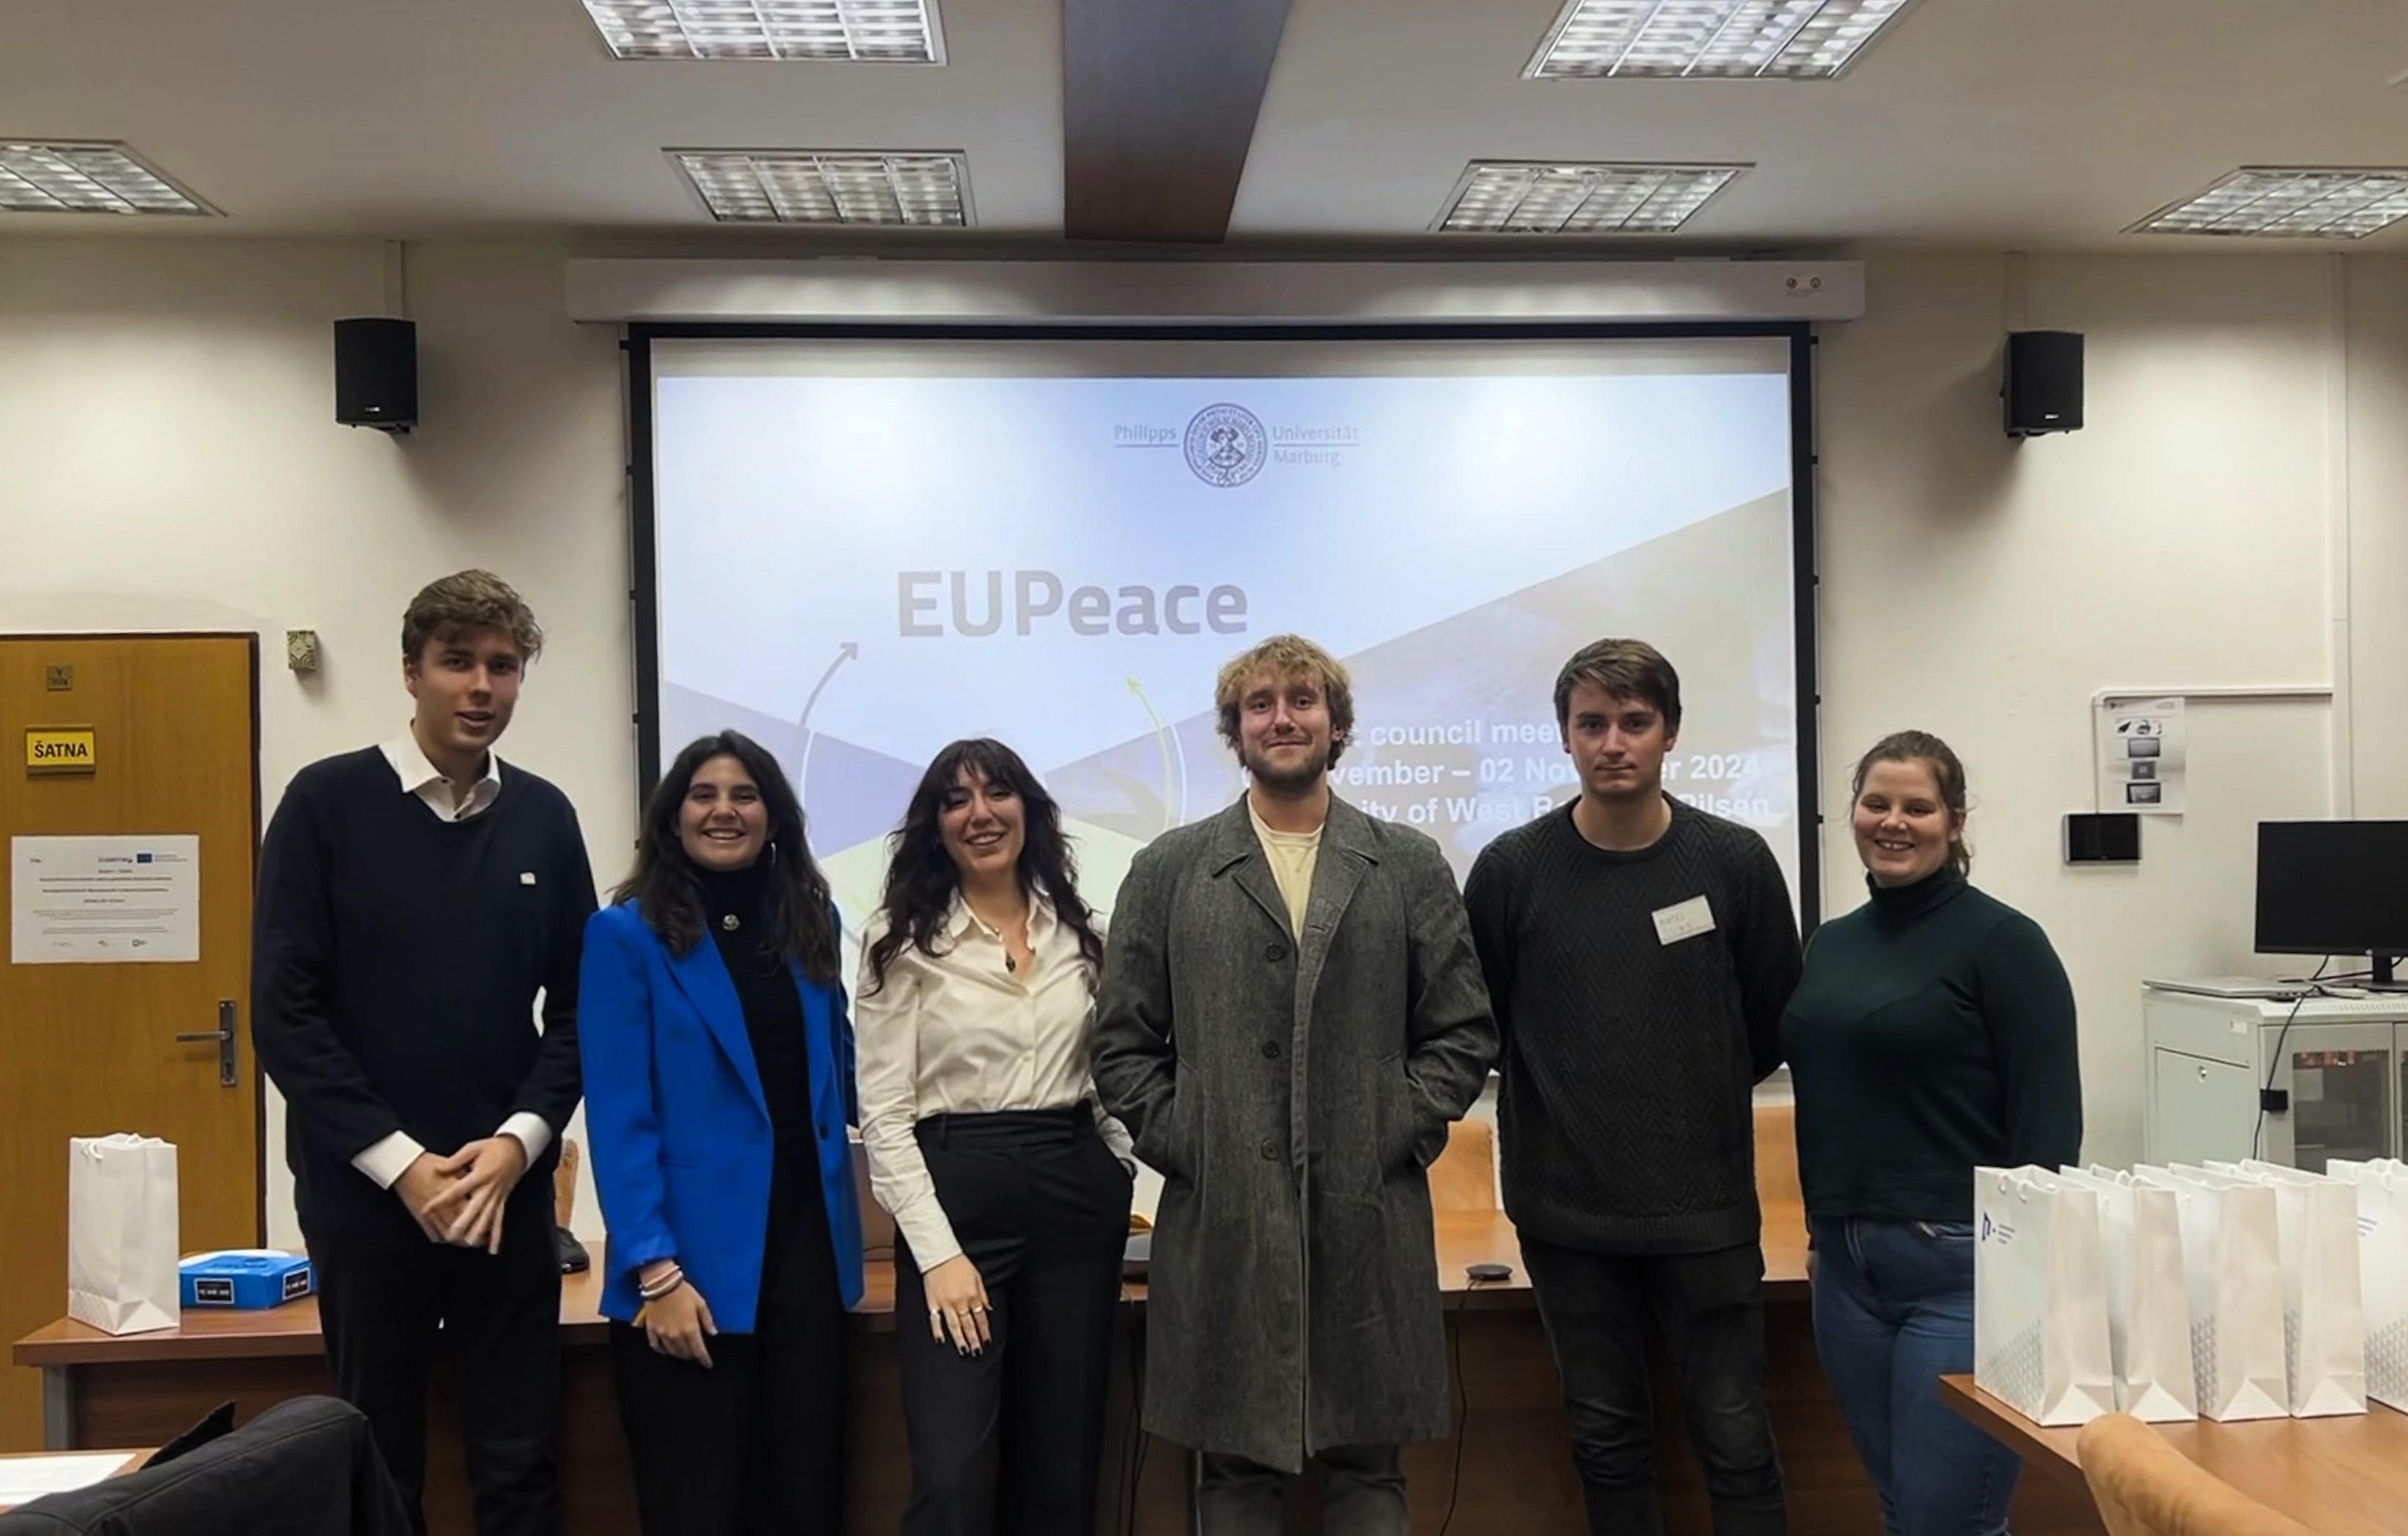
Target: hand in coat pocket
1401, 1128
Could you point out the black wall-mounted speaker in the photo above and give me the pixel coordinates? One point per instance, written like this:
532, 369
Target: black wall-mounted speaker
376, 374
2044, 388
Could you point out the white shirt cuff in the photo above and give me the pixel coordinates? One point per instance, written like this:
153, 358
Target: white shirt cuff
1117, 1142
530, 1129
388, 1159
928, 1234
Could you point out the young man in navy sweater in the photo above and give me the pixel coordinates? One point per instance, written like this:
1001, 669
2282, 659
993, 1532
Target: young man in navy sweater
415, 899
1639, 954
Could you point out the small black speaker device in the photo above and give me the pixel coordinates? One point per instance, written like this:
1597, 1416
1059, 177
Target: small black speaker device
2044, 388
376, 374
2113, 838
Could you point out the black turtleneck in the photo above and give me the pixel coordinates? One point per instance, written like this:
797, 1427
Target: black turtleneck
1932, 1032
773, 1009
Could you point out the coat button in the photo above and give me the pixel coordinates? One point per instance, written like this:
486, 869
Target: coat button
1271, 1048
1274, 952
1270, 1150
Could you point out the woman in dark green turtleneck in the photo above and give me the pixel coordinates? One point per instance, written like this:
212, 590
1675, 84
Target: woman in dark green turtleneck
1933, 1033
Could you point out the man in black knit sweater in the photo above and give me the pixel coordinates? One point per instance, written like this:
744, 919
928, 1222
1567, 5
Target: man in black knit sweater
1639, 953
414, 900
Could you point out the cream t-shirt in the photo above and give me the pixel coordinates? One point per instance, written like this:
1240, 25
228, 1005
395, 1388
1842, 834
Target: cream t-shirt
1292, 857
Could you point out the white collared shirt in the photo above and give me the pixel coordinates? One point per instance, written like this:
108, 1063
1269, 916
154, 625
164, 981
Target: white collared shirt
391, 1158
959, 1034
421, 778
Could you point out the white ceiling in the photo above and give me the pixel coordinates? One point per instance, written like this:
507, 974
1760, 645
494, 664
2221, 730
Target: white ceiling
1988, 124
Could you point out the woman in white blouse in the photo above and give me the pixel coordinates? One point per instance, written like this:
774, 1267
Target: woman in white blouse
1009, 1188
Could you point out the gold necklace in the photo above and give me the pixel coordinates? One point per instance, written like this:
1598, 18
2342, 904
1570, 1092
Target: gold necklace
1010, 963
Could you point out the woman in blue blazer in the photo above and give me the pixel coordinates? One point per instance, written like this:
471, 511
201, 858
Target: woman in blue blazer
719, 1081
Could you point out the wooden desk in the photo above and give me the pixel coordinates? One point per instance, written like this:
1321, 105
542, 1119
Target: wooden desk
2344, 1476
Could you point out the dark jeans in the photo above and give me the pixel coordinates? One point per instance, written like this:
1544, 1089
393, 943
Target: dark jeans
1010, 1441
1363, 1494
1710, 1307
1892, 1313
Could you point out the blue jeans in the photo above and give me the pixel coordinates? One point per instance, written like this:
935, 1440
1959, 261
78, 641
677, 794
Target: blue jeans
1892, 1313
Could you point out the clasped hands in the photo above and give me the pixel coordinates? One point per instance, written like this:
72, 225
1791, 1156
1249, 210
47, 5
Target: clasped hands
458, 1200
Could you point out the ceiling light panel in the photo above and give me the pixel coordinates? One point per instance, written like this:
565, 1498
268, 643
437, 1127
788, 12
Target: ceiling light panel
63, 176
2299, 202
858, 31
1708, 40
1542, 197
901, 187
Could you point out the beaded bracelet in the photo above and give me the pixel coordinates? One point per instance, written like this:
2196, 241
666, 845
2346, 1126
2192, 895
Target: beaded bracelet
655, 1291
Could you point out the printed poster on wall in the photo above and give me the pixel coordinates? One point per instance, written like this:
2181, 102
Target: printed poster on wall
105, 901
2142, 748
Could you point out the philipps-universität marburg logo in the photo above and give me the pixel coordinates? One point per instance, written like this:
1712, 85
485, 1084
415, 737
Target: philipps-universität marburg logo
1227, 445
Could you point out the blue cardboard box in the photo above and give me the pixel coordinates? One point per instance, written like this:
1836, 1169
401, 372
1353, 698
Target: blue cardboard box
247, 1279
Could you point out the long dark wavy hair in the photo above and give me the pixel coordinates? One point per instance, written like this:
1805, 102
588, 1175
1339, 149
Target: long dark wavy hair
922, 881
668, 886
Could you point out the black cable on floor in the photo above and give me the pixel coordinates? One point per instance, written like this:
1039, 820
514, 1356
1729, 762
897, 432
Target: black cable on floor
1462, 1412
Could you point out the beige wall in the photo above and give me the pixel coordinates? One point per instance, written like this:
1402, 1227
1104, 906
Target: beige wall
165, 415
166, 412
2237, 408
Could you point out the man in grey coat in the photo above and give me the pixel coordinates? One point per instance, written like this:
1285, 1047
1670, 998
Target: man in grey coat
1292, 1016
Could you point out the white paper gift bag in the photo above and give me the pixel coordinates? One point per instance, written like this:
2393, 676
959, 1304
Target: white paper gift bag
2324, 1321
122, 1233
2039, 1297
2232, 1269
2148, 1309
2382, 1189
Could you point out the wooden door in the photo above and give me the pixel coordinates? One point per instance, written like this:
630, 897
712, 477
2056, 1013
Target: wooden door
90, 1049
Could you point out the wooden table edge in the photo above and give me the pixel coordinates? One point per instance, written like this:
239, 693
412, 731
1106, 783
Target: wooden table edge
1465, 1236
2009, 1428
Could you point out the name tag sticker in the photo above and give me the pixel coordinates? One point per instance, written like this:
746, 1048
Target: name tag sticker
1683, 920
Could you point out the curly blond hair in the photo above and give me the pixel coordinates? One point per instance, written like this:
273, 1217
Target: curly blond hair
1287, 657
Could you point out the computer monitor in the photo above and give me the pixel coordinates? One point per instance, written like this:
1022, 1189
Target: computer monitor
2334, 888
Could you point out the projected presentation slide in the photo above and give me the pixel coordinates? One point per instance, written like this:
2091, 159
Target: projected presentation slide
867, 549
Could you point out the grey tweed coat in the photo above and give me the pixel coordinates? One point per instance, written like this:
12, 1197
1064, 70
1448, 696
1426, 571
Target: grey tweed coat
1292, 1095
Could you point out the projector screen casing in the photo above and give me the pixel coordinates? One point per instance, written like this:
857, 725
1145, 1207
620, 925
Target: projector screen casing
646, 595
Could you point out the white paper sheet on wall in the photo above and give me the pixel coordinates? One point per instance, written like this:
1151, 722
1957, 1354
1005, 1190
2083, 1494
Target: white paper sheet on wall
2143, 749
104, 900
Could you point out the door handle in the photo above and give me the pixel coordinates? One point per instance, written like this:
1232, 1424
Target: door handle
223, 1036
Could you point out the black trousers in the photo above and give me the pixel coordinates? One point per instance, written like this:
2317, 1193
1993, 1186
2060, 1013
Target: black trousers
1011, 1441
1362, 1494
1710, 1307
388, 1300
754, 1445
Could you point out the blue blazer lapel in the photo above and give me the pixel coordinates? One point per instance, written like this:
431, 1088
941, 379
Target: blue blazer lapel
703, 978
